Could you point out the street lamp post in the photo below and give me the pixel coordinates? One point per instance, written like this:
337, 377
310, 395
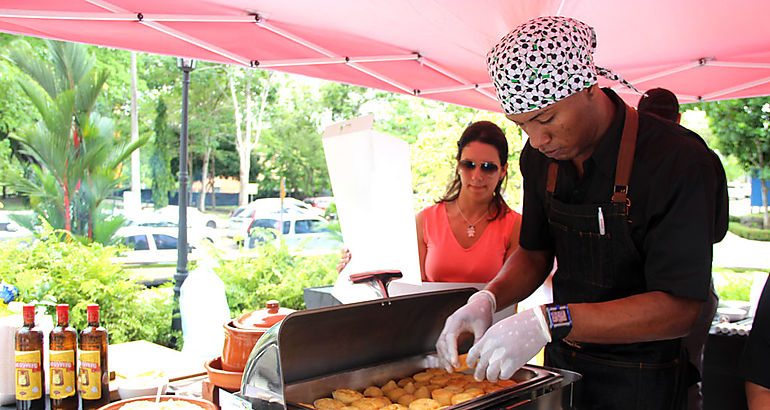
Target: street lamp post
186, 65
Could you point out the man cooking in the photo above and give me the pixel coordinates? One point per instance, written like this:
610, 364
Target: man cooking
626, 204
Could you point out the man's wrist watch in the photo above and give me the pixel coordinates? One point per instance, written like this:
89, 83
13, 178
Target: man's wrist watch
559, 320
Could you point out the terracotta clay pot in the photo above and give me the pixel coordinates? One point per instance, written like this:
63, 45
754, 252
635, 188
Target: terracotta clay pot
230, 381
241, 334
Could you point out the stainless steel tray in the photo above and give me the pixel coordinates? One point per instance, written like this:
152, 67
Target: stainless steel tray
302, 394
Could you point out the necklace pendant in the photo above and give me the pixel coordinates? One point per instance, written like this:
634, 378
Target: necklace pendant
471, 231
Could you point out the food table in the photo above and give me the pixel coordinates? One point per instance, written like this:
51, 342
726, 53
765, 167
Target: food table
137, 357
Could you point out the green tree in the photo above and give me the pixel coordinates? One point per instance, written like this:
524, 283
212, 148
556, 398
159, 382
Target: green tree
163, 144
75, 153
742, 129
292, 149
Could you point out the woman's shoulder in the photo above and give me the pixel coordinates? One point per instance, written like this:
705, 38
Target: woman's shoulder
431, 210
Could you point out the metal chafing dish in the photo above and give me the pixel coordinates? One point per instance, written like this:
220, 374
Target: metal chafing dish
313, 352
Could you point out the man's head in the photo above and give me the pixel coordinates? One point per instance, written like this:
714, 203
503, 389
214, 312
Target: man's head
660, 102
545, 79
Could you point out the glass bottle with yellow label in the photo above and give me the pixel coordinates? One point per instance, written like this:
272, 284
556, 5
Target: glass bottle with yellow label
93, 379
29, 373
62, 346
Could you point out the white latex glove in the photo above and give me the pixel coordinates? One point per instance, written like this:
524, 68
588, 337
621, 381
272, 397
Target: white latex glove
474, 317
509, 344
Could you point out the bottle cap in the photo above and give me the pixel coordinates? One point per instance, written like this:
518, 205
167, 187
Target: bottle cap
28, 313
62, 313
92, 312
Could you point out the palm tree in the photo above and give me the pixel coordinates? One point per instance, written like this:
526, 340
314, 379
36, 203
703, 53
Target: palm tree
76, 156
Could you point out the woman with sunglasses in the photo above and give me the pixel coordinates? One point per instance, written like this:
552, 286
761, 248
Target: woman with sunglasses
469, 233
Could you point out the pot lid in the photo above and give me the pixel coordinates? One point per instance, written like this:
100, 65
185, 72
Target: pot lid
262, 318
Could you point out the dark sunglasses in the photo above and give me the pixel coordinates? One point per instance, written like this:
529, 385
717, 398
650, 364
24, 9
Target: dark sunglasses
486, 167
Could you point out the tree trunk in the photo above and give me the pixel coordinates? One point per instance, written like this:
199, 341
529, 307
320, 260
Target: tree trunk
246, 139
204, 180
245, 167
136, 169
766, 221
213, 175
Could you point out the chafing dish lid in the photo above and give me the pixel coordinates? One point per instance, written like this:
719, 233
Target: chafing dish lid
317, 342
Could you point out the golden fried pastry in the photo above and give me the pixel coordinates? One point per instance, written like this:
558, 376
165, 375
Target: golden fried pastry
506, 382
349, 408
409, 387
382, 401
490, 387
475, 391
432, 387
424, 404
328, 404
440, 379
373, 391
347, 396
394, 394
390, 385
454, 388
367, 403
422, 393
461, 397
456, 375
461, 382
406, 380
395, 406
406, 399
443, 396
475, 385
422, 377
436, 370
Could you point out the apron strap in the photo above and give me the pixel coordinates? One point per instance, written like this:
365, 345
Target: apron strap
625, 156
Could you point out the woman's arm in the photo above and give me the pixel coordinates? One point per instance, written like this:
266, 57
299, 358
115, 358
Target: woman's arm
422, 247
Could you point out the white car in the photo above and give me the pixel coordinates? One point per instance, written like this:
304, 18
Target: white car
241, 218
196, 232
195, 218
301, 233
149, 245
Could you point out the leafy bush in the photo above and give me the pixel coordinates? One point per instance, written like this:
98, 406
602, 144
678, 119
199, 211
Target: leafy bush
732, 284
50, 271
746, 232
274, 274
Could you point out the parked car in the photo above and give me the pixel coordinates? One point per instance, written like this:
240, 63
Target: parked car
149, 245
195, 218
320, 202
301, 233
241, 219
196, 231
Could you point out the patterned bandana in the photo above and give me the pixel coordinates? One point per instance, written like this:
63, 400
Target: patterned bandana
544, 61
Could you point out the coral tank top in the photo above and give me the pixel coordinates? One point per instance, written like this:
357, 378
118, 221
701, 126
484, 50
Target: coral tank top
447, 261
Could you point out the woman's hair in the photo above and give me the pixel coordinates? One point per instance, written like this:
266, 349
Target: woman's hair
488, 133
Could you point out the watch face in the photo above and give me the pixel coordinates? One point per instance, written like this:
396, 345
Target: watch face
559, 316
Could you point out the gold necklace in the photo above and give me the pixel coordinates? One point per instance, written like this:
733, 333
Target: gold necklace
471, 231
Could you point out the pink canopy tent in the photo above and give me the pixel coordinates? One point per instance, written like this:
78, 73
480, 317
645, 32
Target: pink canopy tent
700, 49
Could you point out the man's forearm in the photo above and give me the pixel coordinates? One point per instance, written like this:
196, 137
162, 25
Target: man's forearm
522, 274
758, 397
638, 318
